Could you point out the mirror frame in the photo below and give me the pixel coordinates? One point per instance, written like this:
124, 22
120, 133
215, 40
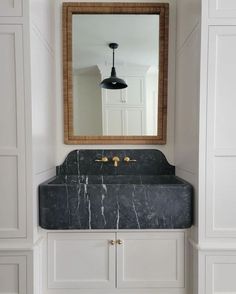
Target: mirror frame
71, 8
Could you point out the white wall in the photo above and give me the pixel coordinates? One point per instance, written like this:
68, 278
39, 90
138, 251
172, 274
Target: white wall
87, 104
43, 95
187, 94
186, 148
62, 149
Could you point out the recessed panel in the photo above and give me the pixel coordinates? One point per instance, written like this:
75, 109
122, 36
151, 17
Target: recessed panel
224, 277
225, 88
134, 122
13, 274
113, 123
9, 278
223, 8
220, 274
8, 90
9, 193
10, 7
224, 193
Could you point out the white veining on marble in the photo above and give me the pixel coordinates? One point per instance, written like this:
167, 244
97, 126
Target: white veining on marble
136, 215
118, 214
102, 209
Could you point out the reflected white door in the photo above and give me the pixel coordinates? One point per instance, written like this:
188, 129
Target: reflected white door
134, 121
113, 122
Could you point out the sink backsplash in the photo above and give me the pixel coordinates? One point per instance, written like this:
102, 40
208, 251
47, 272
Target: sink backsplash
148, 162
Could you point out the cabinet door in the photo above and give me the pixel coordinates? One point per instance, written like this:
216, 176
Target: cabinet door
13, 274
12, 130
150, 260
134, 121
113, 121
81, 260
221, 130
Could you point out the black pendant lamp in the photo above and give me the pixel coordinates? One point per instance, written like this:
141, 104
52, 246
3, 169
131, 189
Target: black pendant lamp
113, 83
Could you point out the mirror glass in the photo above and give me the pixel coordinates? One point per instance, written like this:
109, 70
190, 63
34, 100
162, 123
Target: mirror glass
132, 111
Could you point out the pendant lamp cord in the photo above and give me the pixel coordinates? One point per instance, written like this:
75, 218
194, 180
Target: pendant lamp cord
113, 60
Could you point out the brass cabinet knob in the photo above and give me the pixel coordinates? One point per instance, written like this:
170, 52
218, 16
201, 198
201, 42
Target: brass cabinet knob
127, 159
112, 242
120, 242
103, 159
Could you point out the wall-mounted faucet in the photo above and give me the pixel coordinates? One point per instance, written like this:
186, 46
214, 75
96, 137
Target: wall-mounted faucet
115, 160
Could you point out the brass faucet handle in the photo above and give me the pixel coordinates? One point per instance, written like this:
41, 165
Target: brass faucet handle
116, 159
127, 159
103, 159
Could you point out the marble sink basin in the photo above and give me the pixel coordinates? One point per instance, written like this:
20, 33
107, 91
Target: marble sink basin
86, 194
116, 202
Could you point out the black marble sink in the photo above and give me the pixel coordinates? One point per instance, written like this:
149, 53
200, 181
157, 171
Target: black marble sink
140, 195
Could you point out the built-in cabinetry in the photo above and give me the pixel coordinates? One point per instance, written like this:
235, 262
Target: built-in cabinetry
12, 129
116, 260
217, 205
15, 253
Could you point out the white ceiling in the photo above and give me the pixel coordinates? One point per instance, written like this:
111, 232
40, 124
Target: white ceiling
137, 36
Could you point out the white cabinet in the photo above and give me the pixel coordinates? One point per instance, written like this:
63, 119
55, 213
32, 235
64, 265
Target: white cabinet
12, 130
116, 260
11, 7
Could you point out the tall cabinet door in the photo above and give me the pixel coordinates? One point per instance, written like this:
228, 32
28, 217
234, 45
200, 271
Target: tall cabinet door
81, 260
150, 260
221, 130
12, 130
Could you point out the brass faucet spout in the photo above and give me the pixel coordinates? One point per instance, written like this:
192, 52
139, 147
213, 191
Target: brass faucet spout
116, 160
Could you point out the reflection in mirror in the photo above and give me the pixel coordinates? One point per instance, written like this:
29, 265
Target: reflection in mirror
132, 111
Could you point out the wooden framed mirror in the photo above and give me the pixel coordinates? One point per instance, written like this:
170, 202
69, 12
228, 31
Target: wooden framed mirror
136, 114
